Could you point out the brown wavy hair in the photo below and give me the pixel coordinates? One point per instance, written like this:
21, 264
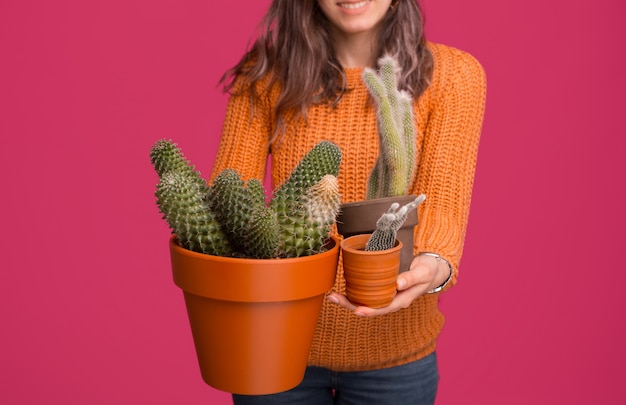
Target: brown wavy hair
295, 51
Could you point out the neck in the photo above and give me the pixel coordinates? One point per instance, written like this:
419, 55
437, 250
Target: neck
355, 50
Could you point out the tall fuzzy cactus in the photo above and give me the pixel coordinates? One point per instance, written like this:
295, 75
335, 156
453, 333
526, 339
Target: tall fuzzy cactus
387, 226
296, 222
393, 171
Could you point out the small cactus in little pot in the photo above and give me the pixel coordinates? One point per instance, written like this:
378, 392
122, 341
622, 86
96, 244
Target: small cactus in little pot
371, 261
387, 226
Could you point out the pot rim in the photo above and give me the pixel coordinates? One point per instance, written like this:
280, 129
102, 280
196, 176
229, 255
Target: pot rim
254, 280
381, 200
356, 245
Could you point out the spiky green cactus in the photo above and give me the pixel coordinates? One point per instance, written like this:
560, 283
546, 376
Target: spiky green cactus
305, 228
182, 201
242, 212
387, 226
166, 156
308, 202
263, 234
296, 222
393, 171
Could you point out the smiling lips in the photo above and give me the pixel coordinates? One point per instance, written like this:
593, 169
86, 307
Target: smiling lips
353, 5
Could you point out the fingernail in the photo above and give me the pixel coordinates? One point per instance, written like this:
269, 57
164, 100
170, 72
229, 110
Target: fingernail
401, 283
332, 298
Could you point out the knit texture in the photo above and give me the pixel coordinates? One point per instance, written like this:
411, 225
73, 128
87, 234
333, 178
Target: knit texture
448, 117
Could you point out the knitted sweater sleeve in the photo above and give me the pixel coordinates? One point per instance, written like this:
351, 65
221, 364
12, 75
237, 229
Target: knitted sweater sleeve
449, 151
245, 133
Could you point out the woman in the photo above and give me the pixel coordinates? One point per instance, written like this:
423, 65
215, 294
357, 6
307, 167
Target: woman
300, 83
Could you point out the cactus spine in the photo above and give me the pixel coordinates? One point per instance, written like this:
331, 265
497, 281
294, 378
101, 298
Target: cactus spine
387, 226
295, 223
393, 172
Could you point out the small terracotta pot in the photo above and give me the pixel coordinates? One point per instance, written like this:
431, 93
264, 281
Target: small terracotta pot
253, 320
359, 217
370, 276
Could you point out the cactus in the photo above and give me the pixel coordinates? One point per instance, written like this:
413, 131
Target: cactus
166, 157
263, 233
181, 199
308, 202
305, 228
296, 222
242, 212
384, 236
393, 171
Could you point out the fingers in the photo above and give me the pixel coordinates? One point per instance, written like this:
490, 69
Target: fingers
401, 300
341, 300
421, 274
413, 278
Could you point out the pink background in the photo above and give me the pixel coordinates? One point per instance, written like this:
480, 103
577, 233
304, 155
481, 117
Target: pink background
88, 310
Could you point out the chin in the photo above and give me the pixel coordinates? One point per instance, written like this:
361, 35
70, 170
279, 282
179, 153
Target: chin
358, 27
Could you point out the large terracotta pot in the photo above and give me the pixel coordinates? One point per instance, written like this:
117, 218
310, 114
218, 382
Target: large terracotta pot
370, 275
360, 217
253, 320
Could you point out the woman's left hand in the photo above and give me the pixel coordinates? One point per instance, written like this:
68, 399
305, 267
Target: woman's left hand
425, 274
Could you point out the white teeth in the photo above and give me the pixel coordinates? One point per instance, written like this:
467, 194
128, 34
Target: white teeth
353, 5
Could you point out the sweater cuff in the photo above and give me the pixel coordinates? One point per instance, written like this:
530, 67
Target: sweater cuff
439, 233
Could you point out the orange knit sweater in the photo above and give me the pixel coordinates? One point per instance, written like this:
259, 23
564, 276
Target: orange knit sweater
448, 120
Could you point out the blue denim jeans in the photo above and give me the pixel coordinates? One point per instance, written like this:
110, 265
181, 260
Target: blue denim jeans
410, 384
